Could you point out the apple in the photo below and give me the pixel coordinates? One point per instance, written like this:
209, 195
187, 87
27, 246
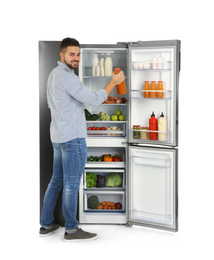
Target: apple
114, 117
122, 117
118, 112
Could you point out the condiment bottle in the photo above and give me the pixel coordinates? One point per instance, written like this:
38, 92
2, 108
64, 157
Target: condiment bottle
160, 87
153, 88
95, 63
162, 128
153, 126
146, 87
108, 66
121, 88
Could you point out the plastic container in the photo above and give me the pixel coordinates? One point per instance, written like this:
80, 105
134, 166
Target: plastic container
162, 128
146, 87
121, 88
160, 87
153, 126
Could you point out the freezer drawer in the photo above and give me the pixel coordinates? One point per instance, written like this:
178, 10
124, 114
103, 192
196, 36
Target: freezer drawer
153, 187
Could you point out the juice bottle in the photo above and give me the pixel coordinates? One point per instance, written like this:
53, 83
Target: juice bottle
160, 87
121, 88
146, 87
162, 128
153, 126
153, 88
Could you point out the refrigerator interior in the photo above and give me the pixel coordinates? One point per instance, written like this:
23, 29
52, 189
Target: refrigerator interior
153, 187
159, 65
119, 59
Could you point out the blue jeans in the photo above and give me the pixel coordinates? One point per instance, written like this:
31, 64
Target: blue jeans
68, 165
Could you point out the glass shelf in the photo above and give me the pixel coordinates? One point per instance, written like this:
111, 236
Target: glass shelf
140, 94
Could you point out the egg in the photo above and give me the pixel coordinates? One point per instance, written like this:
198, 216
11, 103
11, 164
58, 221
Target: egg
140, 65
136, 65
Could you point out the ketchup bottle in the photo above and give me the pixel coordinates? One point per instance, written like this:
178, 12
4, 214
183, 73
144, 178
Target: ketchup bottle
153, 126
121, 88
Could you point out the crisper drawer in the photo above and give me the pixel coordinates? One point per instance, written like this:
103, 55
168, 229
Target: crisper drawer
104, 179
109, 201
105, 157
106, 128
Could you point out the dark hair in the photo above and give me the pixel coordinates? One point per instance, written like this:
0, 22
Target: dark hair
68, 42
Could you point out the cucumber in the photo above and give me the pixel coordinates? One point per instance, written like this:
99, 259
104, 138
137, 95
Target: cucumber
87, 113
93, 117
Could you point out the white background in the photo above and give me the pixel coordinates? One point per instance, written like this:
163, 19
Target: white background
23, 24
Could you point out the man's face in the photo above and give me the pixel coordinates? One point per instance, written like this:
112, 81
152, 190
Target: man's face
71, 57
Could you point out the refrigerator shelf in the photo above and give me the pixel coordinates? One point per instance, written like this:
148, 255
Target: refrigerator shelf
105, 165
140, 94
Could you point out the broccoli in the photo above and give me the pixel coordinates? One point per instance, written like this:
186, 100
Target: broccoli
91, 180
93, 202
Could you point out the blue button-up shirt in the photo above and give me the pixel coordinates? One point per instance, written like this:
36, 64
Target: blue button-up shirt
66, 96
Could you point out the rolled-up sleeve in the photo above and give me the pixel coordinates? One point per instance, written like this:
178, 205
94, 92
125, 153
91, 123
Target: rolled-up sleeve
76, 89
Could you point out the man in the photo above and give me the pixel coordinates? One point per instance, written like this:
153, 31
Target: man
66, 96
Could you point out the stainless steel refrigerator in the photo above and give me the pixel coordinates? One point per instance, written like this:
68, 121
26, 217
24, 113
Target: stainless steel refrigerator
148, 193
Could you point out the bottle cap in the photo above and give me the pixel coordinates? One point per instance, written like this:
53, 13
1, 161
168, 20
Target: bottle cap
152, 114
162, 115
117, 69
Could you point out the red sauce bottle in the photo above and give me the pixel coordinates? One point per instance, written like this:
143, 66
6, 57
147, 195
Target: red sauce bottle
153, 126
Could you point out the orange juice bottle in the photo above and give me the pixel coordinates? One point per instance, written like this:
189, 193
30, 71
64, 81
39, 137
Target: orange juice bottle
160, 87
121, 88
146, 87
153, 88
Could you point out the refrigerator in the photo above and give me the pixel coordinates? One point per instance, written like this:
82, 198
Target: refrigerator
148, 168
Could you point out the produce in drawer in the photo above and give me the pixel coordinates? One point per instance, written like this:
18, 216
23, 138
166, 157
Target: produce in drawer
101, 181
113, 179
91, 180
93, 202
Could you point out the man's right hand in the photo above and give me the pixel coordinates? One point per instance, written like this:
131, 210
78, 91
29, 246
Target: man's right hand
117, 78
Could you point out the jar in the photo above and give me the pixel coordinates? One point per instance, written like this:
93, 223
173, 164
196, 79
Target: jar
160, 93
146, 89
136, 134
153, 89
144, 133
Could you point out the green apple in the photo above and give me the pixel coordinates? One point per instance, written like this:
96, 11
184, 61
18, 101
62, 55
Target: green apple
114, 117
122, 117
118, 112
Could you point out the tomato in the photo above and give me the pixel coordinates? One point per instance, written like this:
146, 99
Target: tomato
103, 128
89, 128
93, 128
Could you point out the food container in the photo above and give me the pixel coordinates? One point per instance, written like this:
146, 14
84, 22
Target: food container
144, 133
136, 134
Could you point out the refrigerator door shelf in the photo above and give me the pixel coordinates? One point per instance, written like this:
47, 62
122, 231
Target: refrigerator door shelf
104, 173
114, 197
167, 94
152, 183
151, 66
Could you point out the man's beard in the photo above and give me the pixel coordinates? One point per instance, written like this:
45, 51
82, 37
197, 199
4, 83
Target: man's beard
70, 65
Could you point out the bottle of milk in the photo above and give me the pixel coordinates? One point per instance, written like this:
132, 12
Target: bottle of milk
108, 66
95, 63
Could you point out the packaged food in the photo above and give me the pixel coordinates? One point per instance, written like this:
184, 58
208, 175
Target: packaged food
121, 88
160, 93
146, 87
153, 89
162, 128
136, 134
153, 126
108, 66
144, 133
